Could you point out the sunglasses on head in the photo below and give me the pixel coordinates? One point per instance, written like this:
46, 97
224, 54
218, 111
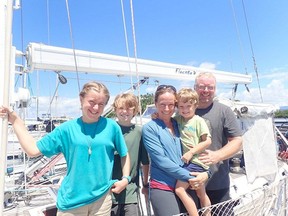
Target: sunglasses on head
160, 87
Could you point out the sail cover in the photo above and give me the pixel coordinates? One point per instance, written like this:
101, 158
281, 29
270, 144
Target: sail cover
259, 142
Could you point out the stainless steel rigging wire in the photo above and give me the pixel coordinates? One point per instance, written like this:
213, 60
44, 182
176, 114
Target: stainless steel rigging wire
252, 51
72, 42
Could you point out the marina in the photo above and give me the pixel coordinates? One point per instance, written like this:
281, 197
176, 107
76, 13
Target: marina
258, 174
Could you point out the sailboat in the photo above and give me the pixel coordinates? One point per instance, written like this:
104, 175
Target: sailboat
258, 189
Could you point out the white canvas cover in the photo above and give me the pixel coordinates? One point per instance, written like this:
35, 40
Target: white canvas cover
259, 143
259, 147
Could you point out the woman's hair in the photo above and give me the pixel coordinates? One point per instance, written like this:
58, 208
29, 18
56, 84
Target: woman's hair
95, 86
161, 89
188, 95
127, 100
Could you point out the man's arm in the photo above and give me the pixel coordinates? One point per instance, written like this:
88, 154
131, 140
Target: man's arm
231, 148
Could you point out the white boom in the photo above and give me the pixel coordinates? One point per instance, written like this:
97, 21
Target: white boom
44, 57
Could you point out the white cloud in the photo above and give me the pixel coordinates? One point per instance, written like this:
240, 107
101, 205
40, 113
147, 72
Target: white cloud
275, 92
208, 65
150, 89
69, 107
273, 85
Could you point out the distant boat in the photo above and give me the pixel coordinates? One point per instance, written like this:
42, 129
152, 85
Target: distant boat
282, 124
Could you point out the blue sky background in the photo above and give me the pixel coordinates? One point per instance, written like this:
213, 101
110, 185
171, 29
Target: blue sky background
201, 33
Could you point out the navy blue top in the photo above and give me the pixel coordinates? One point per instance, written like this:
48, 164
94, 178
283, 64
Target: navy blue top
165, 153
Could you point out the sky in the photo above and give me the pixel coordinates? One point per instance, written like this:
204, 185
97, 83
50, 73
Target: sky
234, 36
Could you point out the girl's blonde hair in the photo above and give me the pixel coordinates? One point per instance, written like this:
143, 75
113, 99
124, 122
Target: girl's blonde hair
95, 86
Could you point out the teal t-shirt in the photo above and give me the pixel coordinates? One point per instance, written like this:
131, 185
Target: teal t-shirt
89, 176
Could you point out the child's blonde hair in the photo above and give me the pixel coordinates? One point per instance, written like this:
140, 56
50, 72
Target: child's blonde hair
128, 100
188, 95
95, 86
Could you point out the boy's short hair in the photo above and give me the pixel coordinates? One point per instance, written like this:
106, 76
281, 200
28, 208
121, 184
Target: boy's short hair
188, 95
128, 100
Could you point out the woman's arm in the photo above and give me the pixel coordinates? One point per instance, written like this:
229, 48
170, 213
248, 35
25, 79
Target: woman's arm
157, 154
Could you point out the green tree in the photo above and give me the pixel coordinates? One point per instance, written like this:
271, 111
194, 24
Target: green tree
146, 99
111, 114
281, 114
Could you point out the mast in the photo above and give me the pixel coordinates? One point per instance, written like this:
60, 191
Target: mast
5, 68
